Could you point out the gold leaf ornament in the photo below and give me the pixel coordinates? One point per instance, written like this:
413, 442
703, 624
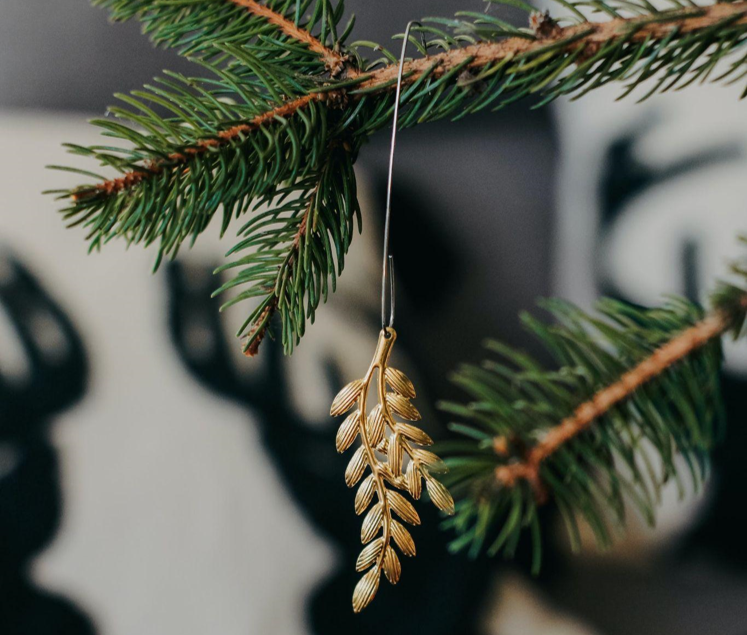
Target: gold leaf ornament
388, 451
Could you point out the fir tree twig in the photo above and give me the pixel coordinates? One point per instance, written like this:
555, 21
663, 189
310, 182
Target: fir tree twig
631, 385
177, 159
257, 334
586, 37
333, 61
711, 327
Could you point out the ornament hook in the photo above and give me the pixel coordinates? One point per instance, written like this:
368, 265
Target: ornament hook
387, 273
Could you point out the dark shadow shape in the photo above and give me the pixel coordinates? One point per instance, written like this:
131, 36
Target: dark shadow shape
624, 176
427, 267
30, 496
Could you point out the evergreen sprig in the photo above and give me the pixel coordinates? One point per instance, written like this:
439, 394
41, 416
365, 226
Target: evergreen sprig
271, 29
283, 89
295, 247
632, 389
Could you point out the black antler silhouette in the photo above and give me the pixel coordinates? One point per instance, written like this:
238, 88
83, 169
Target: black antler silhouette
30, 500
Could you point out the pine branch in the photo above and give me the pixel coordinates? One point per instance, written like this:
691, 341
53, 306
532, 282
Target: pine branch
177, 159
269, 110
294, 250
607, 398
586, 38
270, 306
197, 27
333, 61
636, 384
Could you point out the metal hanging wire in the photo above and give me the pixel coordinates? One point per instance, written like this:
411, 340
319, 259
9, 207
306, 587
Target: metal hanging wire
387, 272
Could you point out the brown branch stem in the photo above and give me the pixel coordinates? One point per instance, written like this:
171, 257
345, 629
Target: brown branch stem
262, 323
332, 60
588, 412
259, 330
114, 186
587, 36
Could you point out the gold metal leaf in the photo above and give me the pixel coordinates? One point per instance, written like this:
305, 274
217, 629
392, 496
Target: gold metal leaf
433, 461
394, 455
413, 480
439, 495
372, 522
346, 398
369, 554
414, 434
376, 426
347, 432
392, 566
403, 507
365, 590
403, 538
364, 495
356, 467
399, 383
402, 406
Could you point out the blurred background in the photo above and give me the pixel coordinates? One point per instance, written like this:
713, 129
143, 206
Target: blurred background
153, 481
